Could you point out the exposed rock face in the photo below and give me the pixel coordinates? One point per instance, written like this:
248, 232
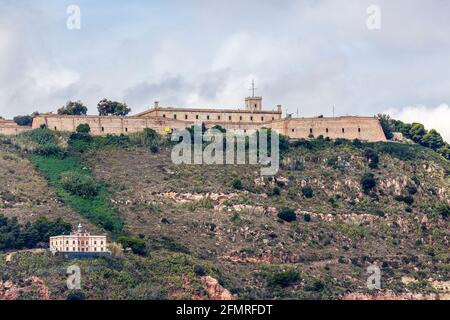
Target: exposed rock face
189, 197
215, 290
10, 290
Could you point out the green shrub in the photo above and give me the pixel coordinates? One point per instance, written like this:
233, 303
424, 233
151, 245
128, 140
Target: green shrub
357, 143
41, 136
316, 286
372, 157
443, 209
237, 184
154, 148
76, 295
83, 128
199, 270
49, 150
283, 278
406, 199
276, 191
368, 182
307, 192
138, 246
412, 190
79, 184
307, 217
287, 214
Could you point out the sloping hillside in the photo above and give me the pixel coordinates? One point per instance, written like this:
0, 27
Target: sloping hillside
224, 221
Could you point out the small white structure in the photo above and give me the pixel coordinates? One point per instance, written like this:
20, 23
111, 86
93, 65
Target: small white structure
78, 242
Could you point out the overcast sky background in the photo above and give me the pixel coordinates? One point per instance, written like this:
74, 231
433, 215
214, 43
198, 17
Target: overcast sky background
305, 55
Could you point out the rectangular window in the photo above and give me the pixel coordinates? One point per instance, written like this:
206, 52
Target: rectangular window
126, 129
240, 118
218, 117
185, 116
262, 118
196, 116
310, 131
174, 116
343, 130
103, 129
207, 117
326, 130
229, 118
359, 129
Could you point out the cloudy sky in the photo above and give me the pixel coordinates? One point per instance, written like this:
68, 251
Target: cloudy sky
308, 55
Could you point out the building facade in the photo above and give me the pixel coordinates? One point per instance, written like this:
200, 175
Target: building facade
251, 118
78, 242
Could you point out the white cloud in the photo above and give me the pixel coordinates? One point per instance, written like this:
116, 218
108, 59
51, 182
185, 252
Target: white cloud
432, 118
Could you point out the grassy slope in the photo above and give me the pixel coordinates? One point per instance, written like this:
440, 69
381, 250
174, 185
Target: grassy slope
97, 209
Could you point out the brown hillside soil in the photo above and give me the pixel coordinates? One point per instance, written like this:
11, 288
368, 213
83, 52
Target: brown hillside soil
26, 195
194, 209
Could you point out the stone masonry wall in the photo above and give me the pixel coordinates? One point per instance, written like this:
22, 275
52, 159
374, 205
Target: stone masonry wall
363, 128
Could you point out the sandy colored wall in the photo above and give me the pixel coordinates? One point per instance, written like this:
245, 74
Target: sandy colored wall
9, 127
363, 128
207, 115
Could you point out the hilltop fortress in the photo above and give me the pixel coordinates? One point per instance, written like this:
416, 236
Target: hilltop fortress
168, 119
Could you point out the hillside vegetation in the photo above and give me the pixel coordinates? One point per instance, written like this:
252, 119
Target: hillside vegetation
310, 232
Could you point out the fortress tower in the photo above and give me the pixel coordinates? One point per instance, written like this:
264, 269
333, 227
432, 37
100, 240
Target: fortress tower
253, 103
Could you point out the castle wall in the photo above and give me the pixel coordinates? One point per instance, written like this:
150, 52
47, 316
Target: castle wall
216, 115
9, 127
106, 124
363, 128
